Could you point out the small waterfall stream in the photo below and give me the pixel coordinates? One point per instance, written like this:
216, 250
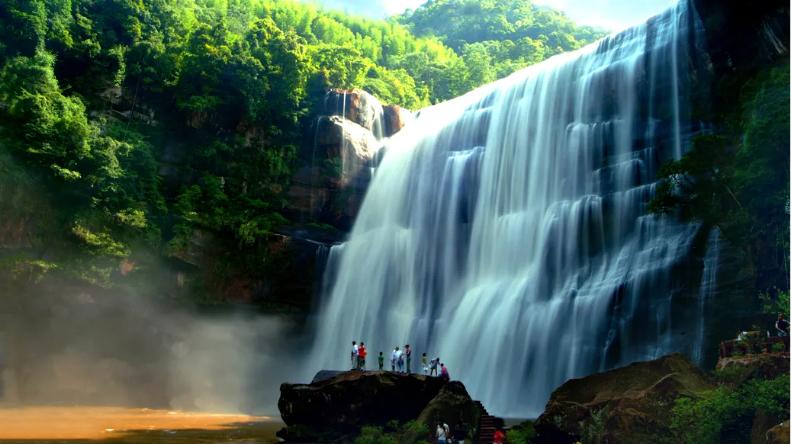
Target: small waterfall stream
506, 231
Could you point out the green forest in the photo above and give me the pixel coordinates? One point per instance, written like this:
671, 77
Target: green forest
95, 94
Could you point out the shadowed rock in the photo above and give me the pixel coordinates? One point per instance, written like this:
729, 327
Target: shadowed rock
629, 404
339, 404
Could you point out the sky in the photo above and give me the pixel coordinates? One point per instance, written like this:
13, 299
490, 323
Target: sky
611, 15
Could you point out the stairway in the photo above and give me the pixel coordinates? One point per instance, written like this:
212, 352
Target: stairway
487, 425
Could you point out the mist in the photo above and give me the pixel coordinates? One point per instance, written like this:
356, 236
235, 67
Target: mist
63, 344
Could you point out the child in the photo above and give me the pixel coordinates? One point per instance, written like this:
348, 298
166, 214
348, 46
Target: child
381, 361
424, 363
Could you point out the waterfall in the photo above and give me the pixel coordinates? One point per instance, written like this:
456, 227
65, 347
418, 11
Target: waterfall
708, 289
506, 231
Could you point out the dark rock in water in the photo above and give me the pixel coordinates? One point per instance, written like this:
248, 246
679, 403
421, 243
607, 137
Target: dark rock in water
629, 404
339, 404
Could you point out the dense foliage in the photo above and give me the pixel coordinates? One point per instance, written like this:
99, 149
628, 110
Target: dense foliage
497, 37
726, 413
125, 125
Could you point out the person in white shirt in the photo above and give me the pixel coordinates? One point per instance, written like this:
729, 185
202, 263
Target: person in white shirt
355, 350
400, 360
394, 359
442, 438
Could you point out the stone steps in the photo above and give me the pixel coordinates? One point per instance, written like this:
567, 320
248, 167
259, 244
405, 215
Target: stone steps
487, 425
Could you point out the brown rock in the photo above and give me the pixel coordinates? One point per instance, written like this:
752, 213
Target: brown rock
737, 369
452, 406
779, 434
331, 187
629, 404
396, 118
357, 106
349, 148
345, 402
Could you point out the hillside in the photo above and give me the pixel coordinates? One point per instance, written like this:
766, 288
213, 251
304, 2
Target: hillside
496, 38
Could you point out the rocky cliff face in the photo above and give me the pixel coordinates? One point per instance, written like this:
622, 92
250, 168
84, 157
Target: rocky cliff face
337, 163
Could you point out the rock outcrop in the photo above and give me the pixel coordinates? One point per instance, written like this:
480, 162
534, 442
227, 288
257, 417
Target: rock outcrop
338, 405
351, 146
738, 369
629, 404
778, 434
338, 160
395, 118
357, 106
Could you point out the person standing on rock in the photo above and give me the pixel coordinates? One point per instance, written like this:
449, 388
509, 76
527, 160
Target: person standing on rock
355, 350
361, 354
408, 353
434, 364
400, 360
781, 325
381, 361
394, 359
460, 435
424, 363
442, 438
444, 373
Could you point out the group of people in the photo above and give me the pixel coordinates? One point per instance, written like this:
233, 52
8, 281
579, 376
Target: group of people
444, 435
359, 353
400, 361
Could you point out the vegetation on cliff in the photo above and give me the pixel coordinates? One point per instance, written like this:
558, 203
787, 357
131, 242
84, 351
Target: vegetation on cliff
736, 178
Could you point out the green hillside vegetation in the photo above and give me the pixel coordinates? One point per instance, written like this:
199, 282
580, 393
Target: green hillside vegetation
498, 37
98, 98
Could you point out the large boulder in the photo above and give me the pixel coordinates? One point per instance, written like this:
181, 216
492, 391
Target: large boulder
738, 369
778, 434
331, 184
631, 404
395, 118
357, 106
452, 406
339, 404
350, 146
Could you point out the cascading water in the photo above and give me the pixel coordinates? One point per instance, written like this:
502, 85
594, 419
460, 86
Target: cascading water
506, 231
708, 288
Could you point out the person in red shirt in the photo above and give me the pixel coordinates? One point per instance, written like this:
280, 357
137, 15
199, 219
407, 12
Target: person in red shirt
361, 354
499, 437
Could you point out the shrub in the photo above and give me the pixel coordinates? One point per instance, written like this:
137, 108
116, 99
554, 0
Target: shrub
728, 411
522, 434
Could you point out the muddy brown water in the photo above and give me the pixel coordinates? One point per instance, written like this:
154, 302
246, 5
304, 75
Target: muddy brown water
132, 425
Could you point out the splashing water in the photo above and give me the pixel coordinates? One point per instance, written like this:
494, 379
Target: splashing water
506, 230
